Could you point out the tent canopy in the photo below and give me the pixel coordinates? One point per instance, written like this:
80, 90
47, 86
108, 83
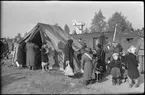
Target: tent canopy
50, 33
54, 36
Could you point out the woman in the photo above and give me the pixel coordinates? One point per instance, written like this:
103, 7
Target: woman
69, 53
30, 55
37, 56
87, 66
100, 54
21, 54
132, 63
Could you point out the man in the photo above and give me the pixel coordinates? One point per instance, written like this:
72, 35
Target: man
140, 52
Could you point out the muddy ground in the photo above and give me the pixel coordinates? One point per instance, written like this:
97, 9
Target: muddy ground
19, 81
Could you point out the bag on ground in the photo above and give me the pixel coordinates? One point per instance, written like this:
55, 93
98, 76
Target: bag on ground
68, 69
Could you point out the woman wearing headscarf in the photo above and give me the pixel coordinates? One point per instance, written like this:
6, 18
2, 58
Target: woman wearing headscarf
100, 54
69, 53
87, 66
132, 66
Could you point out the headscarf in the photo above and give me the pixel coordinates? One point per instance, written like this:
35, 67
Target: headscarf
131, 49
88, 50
99, 46
69, 42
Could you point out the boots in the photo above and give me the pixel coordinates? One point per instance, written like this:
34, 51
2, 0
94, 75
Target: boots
118, 81
114, 81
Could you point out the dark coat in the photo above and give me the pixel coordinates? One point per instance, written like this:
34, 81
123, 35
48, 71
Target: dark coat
101, 59
44, 56
132, 64
69, 53
37, 56
115, 68
21, 54
30, 54
87, 65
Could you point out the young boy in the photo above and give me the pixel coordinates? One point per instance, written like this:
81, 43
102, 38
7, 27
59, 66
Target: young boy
132, 64
44, 57
116, 69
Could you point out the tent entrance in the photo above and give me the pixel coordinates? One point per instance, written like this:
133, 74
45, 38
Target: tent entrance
36, 38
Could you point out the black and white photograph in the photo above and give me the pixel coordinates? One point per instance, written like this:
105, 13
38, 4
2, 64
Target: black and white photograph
72, 47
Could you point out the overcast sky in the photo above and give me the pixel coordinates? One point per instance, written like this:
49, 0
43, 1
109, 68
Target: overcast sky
22, 16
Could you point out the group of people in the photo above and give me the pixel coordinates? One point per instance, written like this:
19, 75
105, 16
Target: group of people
30, 55
110, 58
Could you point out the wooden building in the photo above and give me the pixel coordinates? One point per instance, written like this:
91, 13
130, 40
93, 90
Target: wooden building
92, 39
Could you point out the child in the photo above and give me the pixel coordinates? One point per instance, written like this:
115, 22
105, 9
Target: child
132, 64
116, 69
44, 58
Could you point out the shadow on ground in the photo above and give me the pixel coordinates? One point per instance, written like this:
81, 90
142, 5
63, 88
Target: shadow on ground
8, 79
77, 75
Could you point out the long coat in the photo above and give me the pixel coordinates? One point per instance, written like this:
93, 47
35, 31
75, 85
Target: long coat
132, 64
15, 52
21, 54
118, 68
69, 53
37, 56
30, 54
101, 59
87, 65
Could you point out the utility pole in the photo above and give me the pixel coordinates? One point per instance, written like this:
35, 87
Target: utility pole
115, 33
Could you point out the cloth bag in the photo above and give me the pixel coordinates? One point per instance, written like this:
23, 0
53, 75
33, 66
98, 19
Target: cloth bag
68, 70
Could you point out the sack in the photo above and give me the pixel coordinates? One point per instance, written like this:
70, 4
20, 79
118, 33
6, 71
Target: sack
68, 70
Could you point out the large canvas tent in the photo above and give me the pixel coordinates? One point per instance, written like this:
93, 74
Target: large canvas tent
55, 37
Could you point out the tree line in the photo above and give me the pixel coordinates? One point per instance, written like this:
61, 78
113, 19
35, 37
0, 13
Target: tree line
98, 24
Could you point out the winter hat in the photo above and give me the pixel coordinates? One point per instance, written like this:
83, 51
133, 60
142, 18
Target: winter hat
115, 54
131, 49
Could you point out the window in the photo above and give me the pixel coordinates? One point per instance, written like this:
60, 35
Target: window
129, 39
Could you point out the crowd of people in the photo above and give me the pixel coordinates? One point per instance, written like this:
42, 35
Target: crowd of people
109, 58
112, 59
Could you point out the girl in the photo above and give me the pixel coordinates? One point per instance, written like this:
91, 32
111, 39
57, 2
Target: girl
44, 57
116, 68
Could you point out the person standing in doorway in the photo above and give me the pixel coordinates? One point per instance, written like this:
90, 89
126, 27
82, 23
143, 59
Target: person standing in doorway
30, 55
44, 57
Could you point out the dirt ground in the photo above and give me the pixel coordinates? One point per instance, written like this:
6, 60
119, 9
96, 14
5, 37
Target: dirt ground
23, 81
